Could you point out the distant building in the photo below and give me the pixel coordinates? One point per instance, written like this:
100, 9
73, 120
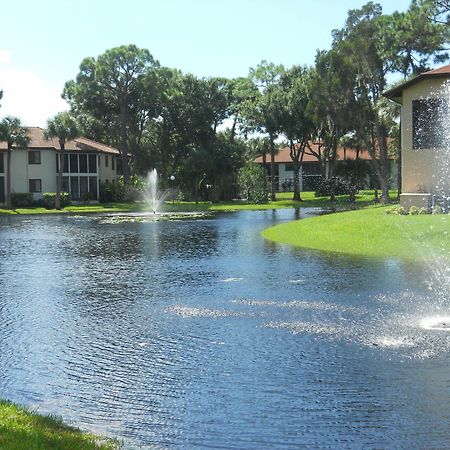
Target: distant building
425, 136
311, 170
34, 169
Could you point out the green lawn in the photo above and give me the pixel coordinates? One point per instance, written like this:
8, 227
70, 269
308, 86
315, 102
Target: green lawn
21, 429
284, 200
369, 232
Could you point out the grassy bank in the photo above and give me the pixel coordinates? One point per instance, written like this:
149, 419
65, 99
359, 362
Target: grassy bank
368, 232
284, 200
21, 429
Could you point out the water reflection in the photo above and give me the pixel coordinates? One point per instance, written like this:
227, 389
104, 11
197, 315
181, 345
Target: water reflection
199, 333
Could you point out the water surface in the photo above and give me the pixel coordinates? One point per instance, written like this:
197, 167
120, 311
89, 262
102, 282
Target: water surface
200, 334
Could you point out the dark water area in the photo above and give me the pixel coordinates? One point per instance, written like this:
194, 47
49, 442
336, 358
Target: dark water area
198, 333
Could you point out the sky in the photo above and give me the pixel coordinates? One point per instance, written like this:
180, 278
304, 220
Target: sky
43, 42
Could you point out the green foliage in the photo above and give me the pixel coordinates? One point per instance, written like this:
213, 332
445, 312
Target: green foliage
115, 96
417, 211
437, 209
21, 199
63, 126
334, 186
49, 199
252, 183
119, 191
396, 210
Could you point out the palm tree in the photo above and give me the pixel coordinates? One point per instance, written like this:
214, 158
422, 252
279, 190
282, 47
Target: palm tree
15, 135
64, 127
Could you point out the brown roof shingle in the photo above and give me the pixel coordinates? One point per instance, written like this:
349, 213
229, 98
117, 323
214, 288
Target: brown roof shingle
283, 156
81, 144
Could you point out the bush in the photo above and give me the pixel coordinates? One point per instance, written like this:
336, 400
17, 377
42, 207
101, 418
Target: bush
414, 210
437, 209
117, 191
19, 199
329, 187
252, 183
49, 199
397, 209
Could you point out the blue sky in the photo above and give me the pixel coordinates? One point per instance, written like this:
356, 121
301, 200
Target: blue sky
43, 42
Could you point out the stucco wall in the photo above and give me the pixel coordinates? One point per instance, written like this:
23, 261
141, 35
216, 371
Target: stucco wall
107, 172
22, 172
422, 169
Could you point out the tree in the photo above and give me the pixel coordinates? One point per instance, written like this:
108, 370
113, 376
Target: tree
261, 110
294, 122
378, 45
252, 185
65, 128
116, 94
331, 105
15, 135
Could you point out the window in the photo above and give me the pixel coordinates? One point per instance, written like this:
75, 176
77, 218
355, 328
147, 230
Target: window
2, 189
113, 163
34, 157
93, 188
83, 164
66, 163
83, 188
106, 160
65, 184
74, 193
289, 167
2, 167
73, 163
428, 123
35, 185
92, 163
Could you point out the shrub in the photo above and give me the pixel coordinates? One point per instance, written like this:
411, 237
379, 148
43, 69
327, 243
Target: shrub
22, 199
329, 187
397, 209
252, 183
414, 210
437, 209
117, 191
49, 199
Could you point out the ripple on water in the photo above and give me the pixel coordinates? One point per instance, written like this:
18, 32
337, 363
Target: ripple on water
439, 323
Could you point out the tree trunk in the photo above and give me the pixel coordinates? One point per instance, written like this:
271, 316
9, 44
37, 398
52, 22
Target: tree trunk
60, 176
297, 154
124, 144
296, 172
272, 169
264, 158
383, 164
8, 179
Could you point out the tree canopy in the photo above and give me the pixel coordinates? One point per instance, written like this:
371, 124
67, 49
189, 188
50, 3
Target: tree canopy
201, 130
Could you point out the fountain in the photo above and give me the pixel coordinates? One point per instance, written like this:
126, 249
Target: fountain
152, 196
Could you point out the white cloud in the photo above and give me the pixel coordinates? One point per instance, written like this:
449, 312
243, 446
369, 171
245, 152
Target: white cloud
27, 96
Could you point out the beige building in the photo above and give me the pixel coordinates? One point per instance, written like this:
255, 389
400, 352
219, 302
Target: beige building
311, 171
425, 137
34, 169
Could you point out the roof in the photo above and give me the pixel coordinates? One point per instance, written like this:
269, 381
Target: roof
283, 156
439, 73
80, 144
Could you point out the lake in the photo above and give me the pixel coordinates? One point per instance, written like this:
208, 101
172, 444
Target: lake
198, 333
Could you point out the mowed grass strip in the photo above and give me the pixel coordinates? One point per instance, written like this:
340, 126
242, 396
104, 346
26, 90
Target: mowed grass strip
284, 200
369, 232
21, 429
